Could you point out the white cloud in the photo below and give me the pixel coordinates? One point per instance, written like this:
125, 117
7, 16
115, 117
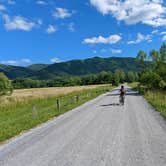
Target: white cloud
40, 2
103, 40
114, 51
155, 31
61, 13
140, 38
55, 60
163, 33
151, 12
2, 7
9, 62
71, 27
164, 38
18, 22
16, 62
25, 60
51, 29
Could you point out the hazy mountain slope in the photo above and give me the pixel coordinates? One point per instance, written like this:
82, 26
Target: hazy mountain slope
73, 67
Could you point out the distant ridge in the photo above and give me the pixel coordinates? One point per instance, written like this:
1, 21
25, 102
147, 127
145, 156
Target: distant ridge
73, 67
37, 67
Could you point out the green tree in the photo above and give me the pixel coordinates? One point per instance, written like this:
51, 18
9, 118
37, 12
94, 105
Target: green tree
116, 78
154, 55
104, 77
141, 56
163, 53
5, 85
150, 79
131, 77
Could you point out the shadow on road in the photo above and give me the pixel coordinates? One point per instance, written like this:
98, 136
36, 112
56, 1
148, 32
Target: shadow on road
112, 104
127, 94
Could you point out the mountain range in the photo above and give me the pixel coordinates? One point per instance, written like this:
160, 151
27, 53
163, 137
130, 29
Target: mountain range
73, 67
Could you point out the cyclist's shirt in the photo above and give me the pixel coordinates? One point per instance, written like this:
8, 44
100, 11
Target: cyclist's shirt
122, 92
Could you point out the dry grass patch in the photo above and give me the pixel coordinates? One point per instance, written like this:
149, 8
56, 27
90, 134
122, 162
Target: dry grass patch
25, 94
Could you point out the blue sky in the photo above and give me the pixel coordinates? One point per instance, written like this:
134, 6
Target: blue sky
48, 31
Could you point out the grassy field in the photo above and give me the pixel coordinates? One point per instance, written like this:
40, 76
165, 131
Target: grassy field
24, 94
20, 115
155, 97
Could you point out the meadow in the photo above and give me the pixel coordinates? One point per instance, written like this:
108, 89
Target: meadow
26, 94
23, 111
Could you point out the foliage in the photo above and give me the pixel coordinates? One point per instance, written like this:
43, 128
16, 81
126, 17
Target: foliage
141, 57
92, 79
19, 83
5, 85
155, 76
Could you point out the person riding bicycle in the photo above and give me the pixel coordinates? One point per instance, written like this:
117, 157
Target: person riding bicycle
122, 94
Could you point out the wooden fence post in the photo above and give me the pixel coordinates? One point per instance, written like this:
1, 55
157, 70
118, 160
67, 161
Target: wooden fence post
77, 98
34, 111
58, 104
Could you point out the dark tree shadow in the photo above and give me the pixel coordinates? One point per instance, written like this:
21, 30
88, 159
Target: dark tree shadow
127, 94
112, 104
133, 94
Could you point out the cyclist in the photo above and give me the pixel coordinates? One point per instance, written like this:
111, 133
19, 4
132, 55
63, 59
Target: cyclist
122, 95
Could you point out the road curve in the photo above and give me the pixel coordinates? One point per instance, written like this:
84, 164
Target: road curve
98, 133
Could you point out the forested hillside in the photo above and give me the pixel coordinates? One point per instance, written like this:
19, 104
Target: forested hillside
72, 68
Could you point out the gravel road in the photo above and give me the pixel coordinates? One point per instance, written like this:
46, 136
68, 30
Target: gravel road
98, 133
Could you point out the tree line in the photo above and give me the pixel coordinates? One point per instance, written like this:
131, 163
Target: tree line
119, 76
153, 77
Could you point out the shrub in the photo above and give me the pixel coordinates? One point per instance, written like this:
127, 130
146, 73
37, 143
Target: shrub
5, 85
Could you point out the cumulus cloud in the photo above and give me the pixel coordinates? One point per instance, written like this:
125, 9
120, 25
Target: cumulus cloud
18, 22
51, 29
140, 38
62, 13
55, 60
16, 62
112, 39
2, 7
150, 12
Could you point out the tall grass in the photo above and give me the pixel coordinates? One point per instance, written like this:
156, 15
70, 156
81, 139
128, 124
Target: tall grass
156, 98
17, 116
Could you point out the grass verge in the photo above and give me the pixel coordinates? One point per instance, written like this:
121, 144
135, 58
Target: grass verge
17, 117
156, 98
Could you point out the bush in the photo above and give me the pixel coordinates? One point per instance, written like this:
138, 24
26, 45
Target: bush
5, 85
150, 79
162, 84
